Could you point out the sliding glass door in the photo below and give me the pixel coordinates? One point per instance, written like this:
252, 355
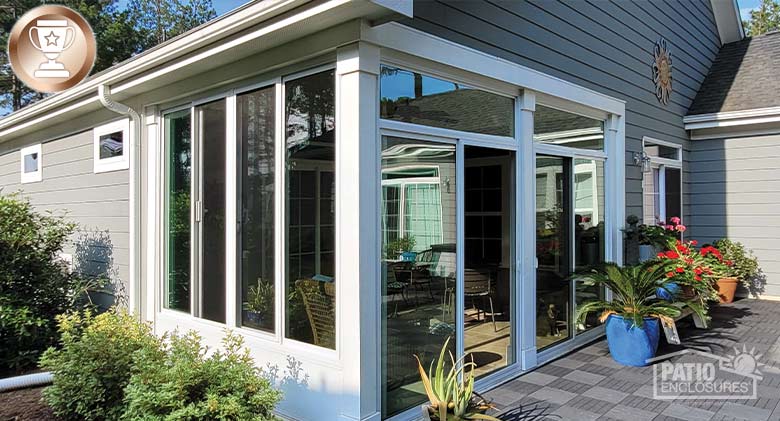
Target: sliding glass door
442, 281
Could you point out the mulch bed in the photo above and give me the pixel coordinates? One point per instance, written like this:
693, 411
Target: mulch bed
23, 405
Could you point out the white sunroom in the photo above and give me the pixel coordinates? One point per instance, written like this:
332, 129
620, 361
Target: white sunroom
368, 192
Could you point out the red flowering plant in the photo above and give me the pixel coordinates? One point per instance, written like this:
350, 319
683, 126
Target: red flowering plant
720, 266
688, 267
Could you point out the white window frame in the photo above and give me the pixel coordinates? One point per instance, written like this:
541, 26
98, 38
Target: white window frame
115, 163
37, 175
662, 164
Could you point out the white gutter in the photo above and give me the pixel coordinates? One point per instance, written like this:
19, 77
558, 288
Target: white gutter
134, 283
732, 118
204, 35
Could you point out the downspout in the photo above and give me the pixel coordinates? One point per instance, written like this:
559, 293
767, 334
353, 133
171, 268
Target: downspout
134, 283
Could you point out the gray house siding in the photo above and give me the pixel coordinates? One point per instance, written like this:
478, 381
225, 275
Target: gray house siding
601, 45
735, 193
98, 203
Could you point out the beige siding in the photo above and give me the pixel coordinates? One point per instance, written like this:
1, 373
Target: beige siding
98, 203
735, 193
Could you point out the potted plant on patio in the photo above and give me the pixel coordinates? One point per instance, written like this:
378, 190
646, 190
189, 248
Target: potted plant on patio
634, 316
402, 248
658, 237
690, 273
451, 395
260, 298
725, 279
744, 264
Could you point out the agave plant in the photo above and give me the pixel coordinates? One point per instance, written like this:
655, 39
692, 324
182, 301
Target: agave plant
634, 293
452, 394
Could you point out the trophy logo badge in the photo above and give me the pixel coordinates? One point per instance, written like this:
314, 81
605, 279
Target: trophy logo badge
51, 48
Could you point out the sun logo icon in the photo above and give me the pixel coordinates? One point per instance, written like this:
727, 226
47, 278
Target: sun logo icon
744, 362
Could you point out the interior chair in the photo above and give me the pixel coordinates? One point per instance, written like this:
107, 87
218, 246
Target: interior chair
319, 299
476, 284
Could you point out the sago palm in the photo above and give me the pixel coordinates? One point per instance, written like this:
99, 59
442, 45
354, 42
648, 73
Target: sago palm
633, 293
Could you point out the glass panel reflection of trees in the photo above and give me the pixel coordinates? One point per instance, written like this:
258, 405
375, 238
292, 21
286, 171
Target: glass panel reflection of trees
178, 148
310, 136
256, 113
419, 261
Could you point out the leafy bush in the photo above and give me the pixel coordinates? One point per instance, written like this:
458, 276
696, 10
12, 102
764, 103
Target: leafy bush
94, 364
34, 285
185, 381
744, 264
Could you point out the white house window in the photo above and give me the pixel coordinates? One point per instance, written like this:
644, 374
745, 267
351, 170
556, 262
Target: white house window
31, 167
662, 183
110, 146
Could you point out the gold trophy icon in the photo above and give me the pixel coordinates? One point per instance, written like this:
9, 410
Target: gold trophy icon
54, 37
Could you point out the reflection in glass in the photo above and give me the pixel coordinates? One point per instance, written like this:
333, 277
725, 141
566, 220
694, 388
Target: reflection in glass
416, 98
487, 278
178, 150
418, 264
553, 251
110, 145
588, 229
31, 163
672, 193
310, 202
651, 205
211, 133
567, 129
256, 113
662, 151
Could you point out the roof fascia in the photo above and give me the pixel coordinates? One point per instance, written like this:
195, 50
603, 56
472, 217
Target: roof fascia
732, 118
728, 20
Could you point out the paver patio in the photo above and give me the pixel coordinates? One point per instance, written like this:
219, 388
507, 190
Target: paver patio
589, 385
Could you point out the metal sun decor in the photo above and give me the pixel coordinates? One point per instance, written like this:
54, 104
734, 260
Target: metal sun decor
662, 71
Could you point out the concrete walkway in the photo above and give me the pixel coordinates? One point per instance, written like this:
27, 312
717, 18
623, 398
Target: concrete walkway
589, 385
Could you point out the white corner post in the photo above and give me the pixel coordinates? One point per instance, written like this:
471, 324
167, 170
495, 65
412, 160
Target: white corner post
150, 213
526, 233
357, 229
615, 183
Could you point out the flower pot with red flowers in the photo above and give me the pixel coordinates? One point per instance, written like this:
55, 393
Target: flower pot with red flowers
691, 271
725, 281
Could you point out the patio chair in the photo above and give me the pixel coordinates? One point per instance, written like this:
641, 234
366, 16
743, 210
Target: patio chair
319, 300
476, 284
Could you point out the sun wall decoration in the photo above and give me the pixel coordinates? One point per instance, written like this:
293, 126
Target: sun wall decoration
662, 71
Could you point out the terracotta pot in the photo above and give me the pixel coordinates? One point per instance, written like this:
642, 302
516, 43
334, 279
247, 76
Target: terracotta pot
726, 288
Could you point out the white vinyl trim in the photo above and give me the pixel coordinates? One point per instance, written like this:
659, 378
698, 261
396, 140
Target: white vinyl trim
121, 162
32, 176
732, 118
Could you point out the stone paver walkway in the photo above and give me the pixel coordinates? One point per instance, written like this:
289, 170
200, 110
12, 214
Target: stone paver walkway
589, 385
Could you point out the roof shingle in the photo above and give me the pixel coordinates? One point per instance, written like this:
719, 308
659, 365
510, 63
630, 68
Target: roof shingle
745, 75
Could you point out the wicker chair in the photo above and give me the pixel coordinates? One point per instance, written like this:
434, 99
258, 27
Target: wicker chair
319, 299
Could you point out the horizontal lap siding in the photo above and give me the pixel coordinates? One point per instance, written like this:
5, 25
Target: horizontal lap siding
606, 46
736, 194
98, 203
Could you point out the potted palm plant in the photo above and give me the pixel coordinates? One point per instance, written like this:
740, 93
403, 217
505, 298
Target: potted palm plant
260, 300
634, 316
451, 395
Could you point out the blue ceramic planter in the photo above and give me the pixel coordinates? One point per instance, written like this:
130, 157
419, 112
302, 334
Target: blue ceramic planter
668, 294
408, 256
632, 345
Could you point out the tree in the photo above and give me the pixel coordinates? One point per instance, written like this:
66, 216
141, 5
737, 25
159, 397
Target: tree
119, 34
160, 20
765, 18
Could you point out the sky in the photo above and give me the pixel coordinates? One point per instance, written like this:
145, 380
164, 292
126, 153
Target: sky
745, 6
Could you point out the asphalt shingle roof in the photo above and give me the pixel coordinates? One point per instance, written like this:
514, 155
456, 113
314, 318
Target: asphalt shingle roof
745, 75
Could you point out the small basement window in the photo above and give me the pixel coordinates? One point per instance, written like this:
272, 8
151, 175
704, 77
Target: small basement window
31, 168
110, 146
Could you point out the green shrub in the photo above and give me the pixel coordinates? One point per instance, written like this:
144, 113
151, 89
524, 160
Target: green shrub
94, 363
744, 264
186, 381
34, 286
